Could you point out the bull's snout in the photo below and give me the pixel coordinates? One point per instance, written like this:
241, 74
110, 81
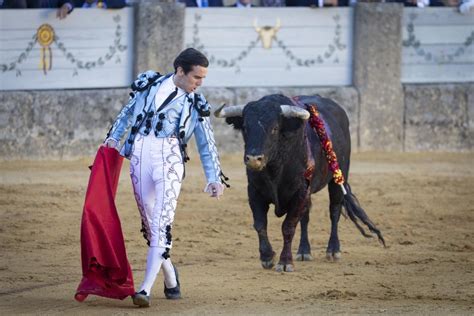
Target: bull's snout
255, 162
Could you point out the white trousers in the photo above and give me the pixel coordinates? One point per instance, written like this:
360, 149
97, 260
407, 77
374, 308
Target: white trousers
156, 169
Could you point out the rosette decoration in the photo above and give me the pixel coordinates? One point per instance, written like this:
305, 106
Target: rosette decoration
45, 36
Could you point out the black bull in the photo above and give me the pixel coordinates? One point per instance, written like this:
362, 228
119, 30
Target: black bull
277, 156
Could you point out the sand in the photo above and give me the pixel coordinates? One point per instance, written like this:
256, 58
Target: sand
423, 203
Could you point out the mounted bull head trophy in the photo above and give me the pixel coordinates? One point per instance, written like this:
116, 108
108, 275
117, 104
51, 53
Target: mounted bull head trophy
267, 33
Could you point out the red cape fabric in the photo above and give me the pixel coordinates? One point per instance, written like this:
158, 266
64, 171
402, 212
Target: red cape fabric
105, 268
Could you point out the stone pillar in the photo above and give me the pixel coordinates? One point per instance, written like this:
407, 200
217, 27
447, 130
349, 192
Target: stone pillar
438, 117
377, 74
159, 34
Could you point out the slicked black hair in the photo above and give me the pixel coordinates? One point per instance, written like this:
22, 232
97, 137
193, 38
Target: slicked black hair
188, 58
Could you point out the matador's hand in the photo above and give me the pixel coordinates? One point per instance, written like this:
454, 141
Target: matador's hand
215, 189
63, 11
110, 143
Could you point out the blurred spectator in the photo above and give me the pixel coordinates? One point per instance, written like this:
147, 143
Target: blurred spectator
422, 3
14, 4
273, 3
111, 4
64, 6
242, 4
466, 7
202, 3
346, 3
451, 3
313, 3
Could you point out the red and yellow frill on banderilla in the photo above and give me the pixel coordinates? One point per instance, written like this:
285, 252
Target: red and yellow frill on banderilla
317, 124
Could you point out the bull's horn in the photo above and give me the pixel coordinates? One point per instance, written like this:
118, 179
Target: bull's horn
229, 111
294, 111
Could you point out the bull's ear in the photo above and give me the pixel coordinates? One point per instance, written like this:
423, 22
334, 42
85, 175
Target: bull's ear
291, 124
236, 121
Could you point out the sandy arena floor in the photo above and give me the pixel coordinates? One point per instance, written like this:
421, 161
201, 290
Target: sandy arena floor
423, 203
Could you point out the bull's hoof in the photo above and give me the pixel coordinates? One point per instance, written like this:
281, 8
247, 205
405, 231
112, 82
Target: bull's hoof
304, 257
333, 256
285, 267
268, 264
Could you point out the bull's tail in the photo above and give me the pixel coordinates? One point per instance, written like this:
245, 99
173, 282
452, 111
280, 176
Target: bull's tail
356, 213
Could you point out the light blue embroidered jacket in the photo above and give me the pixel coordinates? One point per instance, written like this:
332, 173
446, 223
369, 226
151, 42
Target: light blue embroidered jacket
186, 115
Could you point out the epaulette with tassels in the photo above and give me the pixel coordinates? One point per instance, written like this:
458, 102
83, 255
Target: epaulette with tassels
201, 110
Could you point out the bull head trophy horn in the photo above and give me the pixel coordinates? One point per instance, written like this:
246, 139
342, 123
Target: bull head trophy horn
230, 111
294, 111
267, 33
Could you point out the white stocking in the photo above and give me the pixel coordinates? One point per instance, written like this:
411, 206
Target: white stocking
168, 272
153, 264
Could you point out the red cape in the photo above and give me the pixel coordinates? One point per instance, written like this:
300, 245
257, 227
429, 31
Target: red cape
105, 268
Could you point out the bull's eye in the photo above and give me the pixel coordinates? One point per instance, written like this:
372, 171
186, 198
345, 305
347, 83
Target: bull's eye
275, 130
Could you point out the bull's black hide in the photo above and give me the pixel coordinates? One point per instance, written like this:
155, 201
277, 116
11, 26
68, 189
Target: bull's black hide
277, 155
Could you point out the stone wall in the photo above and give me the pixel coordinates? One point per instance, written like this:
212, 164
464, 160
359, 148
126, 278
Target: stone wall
159, 34
377, 75
72, 123
56, 124
439, 117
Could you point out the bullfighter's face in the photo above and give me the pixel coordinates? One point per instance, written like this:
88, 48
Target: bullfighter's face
192, 80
